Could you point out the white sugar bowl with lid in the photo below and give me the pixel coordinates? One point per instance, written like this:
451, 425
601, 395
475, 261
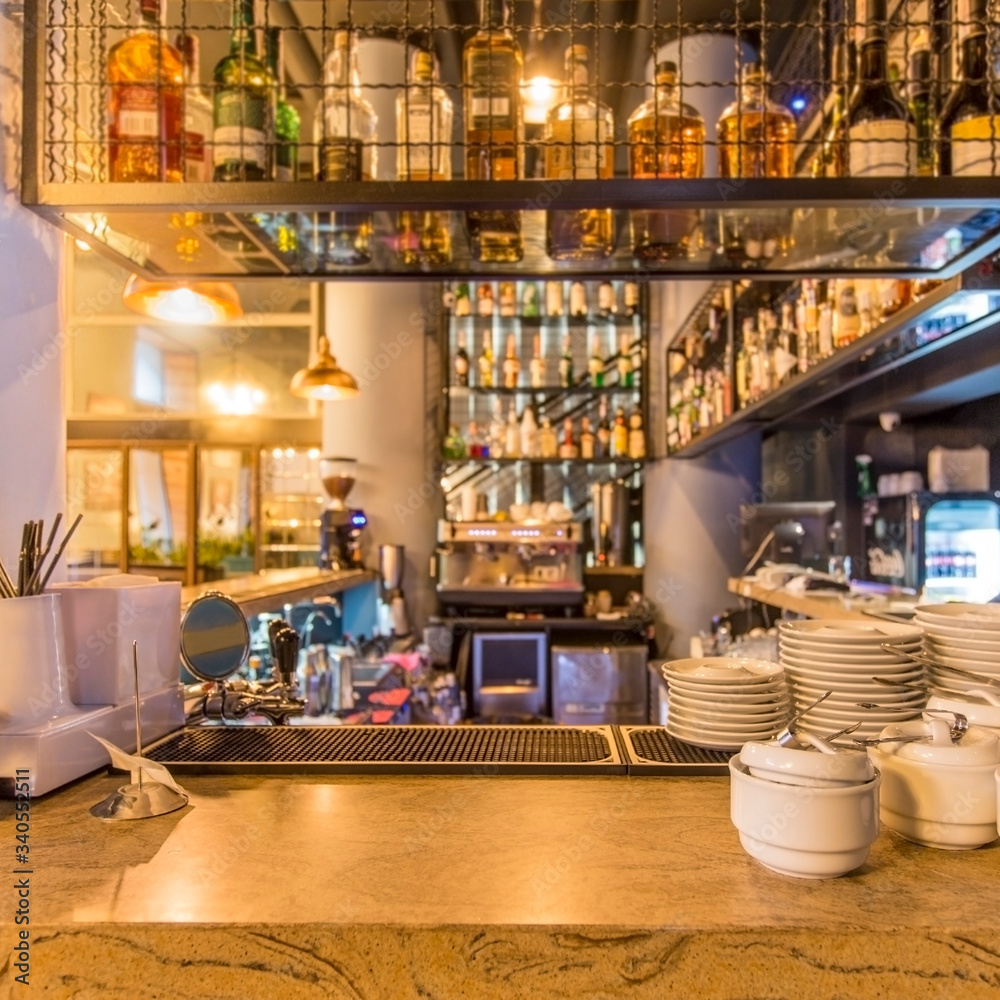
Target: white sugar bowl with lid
937, 791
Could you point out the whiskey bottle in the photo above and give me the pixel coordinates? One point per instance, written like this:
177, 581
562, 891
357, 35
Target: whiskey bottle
880, 132
578, 300
603, 430
607, 304
512, 444
637, 436
486, 362
567, 447
463, 301
548, 443
197, 114
756, 139
537, 367
631, 296
587, 439
484, 298
494, 129
666, 139
554, 298
424, 120
511, 364
498, 431
461, 363
287, 124
241, 106
970, 122
626, 370
566, 363
347, 148
578, 136
145, 78
508, 299
619, 436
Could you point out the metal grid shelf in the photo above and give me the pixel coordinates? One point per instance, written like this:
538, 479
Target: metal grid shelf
213, 229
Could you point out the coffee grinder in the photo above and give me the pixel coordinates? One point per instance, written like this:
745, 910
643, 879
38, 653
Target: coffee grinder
392, 617
341, 526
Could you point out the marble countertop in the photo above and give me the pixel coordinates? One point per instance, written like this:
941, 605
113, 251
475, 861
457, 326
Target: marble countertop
416, 887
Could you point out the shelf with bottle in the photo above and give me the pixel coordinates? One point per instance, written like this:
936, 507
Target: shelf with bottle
915, 321
402, 190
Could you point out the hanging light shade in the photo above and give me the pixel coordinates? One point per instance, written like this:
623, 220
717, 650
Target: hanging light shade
196, 302
324, 379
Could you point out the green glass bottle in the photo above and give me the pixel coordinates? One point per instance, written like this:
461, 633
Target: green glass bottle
287, 124
241, 105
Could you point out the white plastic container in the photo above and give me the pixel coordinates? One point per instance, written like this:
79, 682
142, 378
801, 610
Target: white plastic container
33, 687
101, 624
803, 831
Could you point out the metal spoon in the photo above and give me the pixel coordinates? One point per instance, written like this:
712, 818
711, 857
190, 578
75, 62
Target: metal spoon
787, 735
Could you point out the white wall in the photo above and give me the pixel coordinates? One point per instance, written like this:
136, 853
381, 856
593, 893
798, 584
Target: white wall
32, 425
377, 333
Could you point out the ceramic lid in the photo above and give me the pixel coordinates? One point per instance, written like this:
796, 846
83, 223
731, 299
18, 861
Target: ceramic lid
976, 748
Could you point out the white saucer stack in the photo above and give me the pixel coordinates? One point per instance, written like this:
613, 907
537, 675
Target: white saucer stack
721, 703
966, 636
842, 656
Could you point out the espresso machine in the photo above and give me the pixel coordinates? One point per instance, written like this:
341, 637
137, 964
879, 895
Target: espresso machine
341, 526
502, 565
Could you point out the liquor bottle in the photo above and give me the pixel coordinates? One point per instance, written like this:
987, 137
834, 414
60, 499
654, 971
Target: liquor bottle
619, 436
587, 439
756, 139
970, 122
347, 148
637, 436
463, 301
579, 132
287, 124
530, 305
512, 444
727, 382
486, 362
607, 305
880, 132
454, 445
474, 442
566, 363
603, 430
789, 337
484, 299
198, 124
567, 447
498, 432
804, 352
241, 106
494, 129
537, 366
529, 433
461, 363
595, 366
548, 444
578, 300
626, 370
846, 320
666, 139
554, 298
922, 108
424, 119
511, 364
145, 79
631, 296
824, 338
508, 299
742, 374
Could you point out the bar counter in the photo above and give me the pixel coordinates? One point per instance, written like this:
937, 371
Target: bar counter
391, 888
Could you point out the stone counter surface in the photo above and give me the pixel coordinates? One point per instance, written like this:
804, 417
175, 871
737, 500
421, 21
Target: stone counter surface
400, 888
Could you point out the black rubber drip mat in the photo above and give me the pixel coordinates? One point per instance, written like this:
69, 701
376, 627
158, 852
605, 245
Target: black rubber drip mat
484, 750
652, 750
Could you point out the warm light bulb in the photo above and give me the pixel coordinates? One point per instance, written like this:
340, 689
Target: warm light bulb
314, 453
540, 95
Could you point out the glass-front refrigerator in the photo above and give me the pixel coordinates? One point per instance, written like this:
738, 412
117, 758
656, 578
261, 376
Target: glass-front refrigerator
944, 546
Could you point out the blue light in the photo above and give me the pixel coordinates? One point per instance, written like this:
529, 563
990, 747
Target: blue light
799, 103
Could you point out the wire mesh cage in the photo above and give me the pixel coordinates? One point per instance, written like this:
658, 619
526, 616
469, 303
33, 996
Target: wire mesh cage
586, 97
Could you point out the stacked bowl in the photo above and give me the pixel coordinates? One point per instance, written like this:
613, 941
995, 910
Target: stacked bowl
720, 703
965, 636
842, 657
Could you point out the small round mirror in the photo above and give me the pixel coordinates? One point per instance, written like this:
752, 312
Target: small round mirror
215, 637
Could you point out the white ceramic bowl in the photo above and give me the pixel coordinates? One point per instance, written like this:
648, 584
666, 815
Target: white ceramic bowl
801, 831
797, 766
948, 806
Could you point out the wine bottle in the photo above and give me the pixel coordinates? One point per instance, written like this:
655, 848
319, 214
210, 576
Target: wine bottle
461, 363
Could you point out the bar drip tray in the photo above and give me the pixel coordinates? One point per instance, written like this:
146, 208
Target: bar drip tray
483, 750
652, 750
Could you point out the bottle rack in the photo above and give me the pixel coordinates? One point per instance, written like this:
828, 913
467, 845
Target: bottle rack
929, 316
523, 479
829, 224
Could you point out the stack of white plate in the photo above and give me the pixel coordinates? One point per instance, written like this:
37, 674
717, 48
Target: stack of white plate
721, 703
966, 636
842, 656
